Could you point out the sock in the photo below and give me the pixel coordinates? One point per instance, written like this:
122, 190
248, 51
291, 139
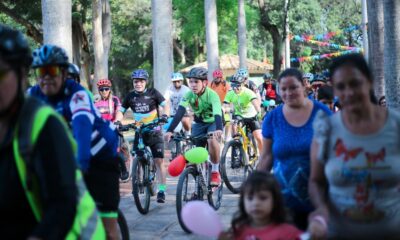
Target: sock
162, 187
214, 167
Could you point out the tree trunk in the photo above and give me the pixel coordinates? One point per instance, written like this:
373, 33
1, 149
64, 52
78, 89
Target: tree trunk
180, 51
57, 24
277, 37
242, 35
162, 43
210, 11
375, 33
391, 49
106, 31
100, 71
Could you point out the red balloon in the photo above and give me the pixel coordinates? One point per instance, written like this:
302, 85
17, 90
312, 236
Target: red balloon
176, 166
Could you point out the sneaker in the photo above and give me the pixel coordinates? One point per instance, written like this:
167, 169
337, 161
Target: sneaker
124, 176
161, 197
215, 179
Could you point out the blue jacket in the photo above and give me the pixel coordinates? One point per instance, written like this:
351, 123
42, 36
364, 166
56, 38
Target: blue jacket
96, 138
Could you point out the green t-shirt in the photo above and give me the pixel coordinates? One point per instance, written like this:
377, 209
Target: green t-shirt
242, 102
205, 106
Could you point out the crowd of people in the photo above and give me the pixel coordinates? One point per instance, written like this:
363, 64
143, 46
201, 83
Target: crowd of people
328, 149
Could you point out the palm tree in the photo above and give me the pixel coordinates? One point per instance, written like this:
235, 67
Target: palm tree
57, 24
375, 35
242, 35
161, 11
391, 61
210, 11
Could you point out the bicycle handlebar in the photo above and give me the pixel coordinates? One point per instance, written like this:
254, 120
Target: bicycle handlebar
141, 126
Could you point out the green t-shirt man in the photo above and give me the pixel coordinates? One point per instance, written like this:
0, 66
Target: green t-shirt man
242, 102
205, 106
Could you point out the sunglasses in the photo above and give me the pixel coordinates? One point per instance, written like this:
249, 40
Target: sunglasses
104, 89
236, 85
52, 71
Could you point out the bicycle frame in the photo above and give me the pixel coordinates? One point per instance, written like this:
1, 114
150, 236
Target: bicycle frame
244, 139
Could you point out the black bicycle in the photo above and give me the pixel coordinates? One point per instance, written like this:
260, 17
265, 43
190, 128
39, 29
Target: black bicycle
180, 143
143, 167
194, 184
123, 226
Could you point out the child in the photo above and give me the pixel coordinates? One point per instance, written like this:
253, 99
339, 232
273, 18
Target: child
261, 214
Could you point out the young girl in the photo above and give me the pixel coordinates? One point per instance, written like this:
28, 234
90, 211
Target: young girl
261, 214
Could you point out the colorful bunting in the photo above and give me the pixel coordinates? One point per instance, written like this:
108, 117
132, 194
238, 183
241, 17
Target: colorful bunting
325, 44
326, 55
326, 36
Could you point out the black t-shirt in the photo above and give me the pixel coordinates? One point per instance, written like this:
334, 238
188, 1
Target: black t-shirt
144, 105
54, 167
252, 86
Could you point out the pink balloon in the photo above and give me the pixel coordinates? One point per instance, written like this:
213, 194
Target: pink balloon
201, 218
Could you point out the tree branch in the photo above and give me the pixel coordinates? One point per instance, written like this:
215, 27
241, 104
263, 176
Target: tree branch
31, 30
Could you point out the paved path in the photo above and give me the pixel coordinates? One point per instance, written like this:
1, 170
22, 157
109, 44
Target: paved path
161, 222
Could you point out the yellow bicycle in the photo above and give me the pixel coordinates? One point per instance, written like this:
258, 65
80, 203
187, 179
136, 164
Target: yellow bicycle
238, 157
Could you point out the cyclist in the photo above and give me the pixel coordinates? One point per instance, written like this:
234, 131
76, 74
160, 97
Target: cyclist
173, 97
318, 81
74, 72
247, 106
96, 138
109, 105
207, 116
307, 78
147, 104
221, 87
39, 195
242, 72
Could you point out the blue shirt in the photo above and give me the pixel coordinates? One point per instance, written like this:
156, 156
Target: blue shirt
96, 137
291, 155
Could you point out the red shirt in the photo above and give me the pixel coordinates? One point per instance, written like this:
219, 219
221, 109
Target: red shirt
282, 231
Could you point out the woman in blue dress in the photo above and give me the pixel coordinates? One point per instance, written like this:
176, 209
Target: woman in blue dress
287, 134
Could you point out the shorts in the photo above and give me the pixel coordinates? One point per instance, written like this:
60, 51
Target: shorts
102, 181
202, 129
153, 139
252, 124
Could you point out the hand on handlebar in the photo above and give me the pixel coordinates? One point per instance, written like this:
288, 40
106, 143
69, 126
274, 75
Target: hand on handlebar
217, 134
167, 136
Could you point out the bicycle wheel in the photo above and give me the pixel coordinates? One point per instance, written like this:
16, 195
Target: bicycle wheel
140, 186
252, 152
214, 194
186, 191
123, 226
176, 149
234, 171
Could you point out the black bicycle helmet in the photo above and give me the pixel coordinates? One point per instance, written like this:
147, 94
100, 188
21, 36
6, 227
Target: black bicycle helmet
238, 78
49, 55
14, 49
267, 76
198, 73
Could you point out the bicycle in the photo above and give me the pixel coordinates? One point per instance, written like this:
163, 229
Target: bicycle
239, 157
123, 226
125, 158
194, 183
143, 167
180, 143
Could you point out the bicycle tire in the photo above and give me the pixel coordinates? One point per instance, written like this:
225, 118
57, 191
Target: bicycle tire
140, 185
214, 200
179, 193
178, 149
123, 226
224, 167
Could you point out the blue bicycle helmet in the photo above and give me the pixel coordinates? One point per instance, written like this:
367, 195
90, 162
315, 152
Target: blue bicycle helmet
310, 76
49, 55
243, 72
267, 76
73, 70
176, 77
140, 74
